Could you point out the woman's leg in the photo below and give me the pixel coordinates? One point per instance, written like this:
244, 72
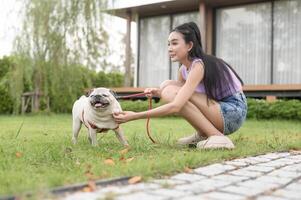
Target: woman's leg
206, 119
166, 83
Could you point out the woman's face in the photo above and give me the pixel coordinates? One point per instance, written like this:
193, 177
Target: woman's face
177, 47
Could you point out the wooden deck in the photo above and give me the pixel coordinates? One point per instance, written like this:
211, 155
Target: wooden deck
270, 92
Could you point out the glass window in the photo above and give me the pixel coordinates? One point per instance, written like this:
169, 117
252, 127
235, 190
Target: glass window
287, 42
154, 60
243, 39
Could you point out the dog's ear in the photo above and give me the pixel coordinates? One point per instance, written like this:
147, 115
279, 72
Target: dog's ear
88, 92
113, 93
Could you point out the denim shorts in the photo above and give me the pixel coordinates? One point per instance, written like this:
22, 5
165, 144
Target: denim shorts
234, 112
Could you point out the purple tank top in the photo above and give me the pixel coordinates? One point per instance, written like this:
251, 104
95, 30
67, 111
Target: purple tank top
201, 88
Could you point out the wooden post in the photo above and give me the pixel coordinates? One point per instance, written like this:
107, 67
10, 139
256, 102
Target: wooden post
202, 11
270, 98
128, 74
23, 105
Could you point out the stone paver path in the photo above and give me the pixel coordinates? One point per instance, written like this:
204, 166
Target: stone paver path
273, 176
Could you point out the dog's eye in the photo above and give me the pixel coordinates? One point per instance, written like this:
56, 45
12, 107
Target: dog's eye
105, 95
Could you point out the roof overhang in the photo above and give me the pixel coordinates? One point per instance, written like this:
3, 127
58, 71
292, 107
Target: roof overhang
146, 8
149, 8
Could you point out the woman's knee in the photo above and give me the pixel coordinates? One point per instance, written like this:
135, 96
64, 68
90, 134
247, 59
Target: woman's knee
168, 83
169, 92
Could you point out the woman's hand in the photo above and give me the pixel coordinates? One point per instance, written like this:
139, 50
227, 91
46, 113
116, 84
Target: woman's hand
124, 116
152, 92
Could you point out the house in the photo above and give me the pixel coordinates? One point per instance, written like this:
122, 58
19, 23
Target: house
260, 39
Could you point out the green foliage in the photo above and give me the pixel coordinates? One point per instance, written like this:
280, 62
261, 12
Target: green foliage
62, 87
137, 106
6, 101
280, 109
113, 79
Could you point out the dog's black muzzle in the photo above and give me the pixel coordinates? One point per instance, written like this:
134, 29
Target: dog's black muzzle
99, 101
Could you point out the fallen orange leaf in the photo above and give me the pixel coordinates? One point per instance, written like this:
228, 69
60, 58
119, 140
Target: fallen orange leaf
87, 189
18, 154
187, 170
134, 179
90, 187
122, 158
124, 151
109, 162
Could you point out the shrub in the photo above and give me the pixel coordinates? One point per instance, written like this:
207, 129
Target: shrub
257, 109
280, 109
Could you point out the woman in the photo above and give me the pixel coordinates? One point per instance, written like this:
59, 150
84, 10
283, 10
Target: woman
208, 92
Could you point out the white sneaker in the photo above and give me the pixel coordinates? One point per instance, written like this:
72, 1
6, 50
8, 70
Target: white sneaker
192, 139
216, 142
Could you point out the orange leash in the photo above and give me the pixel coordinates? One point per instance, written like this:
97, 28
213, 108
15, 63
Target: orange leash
147, 121
149, 108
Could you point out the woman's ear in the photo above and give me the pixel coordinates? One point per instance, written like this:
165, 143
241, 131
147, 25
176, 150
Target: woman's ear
190, 45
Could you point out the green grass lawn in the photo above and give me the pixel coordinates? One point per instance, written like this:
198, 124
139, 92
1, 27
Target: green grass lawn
36, 152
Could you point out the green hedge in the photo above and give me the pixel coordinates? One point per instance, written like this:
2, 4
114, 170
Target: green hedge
280, 109
257, 109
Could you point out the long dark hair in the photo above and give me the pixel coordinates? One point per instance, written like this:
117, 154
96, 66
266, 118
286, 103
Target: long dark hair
217, 77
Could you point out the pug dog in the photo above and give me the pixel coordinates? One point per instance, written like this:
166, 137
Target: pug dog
95, 112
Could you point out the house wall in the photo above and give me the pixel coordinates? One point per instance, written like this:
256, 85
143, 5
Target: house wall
259, 40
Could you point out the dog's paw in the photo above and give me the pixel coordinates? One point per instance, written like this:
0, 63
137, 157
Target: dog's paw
95, 144
74, 140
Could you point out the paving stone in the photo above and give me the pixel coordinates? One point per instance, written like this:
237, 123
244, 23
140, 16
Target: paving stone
295, 157
214, 169
273, 179
241, 190
296, 194
261, 185
293, 186
231, 178
188, 177
211, 184
295, 168
284, 173
259, 159
203, 186
266, 197
236, 163
83, 196
107, 190
172, 193
247, 173
259, 168
192, 197
278, 163
275, 155
221, 196
129, 188
168, 182
140, 196
196, 188
247, 161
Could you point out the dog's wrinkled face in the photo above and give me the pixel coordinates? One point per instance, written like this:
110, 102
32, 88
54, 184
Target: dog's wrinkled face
101, 98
